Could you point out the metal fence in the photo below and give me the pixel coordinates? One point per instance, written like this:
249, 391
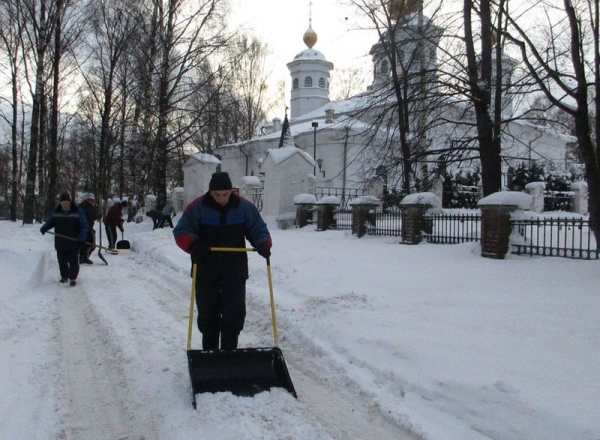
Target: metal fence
257, 198
555, 237
344, 194
452, 228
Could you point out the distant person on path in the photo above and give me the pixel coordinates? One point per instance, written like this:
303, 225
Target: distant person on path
92, 213
168, 213
68, 220
221, 218
114, 220
156, 217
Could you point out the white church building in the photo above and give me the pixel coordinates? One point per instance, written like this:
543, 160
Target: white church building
332, 147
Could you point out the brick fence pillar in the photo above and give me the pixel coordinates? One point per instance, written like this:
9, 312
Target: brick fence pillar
362, 216
413, 222
325, 212
496, 213
495, 230
304, 212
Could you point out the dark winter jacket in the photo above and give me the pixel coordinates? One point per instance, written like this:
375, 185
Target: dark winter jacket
71, 223
212, 225
91, 211
114, 216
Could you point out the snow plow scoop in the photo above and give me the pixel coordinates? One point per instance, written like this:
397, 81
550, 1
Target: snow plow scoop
123, 244
244, 371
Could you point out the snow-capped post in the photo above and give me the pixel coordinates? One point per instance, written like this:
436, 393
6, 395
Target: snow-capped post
363, 214
580, 197
325, 212
536, 190
304, 208
178, 199
149, 203
496, 211
414, 207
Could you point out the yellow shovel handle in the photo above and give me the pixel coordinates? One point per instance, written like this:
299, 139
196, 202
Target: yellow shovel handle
273, 316
232, 249
192, 300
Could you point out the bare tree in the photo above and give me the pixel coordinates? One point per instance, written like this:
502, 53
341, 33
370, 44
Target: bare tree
567, 71
11, 37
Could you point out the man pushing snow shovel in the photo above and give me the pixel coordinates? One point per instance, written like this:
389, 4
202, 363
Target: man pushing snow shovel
220, 218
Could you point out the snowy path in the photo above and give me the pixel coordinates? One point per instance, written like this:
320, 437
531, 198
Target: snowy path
123, 371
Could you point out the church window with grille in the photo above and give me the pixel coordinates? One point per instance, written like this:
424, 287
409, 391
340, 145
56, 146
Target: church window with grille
384, 68
401, 55
295, 84
322, 83
308, 81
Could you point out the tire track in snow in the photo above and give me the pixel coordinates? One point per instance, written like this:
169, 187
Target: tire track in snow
90, 379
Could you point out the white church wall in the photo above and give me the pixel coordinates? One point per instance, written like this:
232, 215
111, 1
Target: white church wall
285, 177
197, 173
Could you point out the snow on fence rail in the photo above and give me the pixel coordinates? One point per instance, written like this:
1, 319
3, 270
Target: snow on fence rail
561, 237
556, 237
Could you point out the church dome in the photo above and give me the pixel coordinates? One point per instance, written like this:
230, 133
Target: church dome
309, 37
310, 54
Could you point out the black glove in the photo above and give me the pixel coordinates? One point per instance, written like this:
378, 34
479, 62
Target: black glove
264, 251
197, 249
43, 231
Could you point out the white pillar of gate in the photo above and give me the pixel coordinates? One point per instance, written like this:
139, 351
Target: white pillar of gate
287, 171
536, 190
580, 197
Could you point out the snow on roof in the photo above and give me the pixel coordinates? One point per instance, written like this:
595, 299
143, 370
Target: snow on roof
424, 198
281, 154
511, 198
310, 54
205, 158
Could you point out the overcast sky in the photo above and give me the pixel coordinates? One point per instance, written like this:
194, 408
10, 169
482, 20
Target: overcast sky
282, 23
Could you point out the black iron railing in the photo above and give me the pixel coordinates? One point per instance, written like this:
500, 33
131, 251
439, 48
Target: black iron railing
452, 228
554, 237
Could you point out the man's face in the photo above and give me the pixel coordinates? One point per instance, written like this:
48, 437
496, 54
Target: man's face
221, 197
65, 205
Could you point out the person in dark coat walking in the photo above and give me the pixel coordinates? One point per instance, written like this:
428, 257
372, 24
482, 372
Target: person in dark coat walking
114, 220
68, 220
92, 213
220, 218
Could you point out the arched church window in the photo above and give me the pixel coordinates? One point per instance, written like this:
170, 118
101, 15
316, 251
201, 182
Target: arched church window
384, 68
295, 84
308, 81
401, 55
322, 83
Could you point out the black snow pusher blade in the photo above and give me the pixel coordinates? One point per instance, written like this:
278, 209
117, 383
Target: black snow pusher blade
243, 372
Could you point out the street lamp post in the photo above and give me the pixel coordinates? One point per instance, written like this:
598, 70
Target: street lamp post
315, 124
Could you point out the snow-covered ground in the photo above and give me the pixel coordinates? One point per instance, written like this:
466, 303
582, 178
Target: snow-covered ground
382, 340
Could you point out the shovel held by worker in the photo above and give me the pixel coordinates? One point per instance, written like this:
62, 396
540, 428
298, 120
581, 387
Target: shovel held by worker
110, 251
243, 371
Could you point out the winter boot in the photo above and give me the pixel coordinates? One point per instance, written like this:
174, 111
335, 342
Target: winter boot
210, 341
229, 341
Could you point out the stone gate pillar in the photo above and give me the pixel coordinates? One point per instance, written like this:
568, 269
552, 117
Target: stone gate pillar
496, 212
363, 214
325, 212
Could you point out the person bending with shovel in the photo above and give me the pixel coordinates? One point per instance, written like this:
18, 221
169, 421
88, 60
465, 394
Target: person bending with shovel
222, 219
71, 231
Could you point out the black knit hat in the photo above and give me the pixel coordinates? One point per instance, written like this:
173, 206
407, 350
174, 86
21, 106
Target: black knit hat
220, 182
65, 197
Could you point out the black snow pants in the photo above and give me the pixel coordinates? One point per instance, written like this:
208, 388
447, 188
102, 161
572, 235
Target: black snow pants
221, 312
